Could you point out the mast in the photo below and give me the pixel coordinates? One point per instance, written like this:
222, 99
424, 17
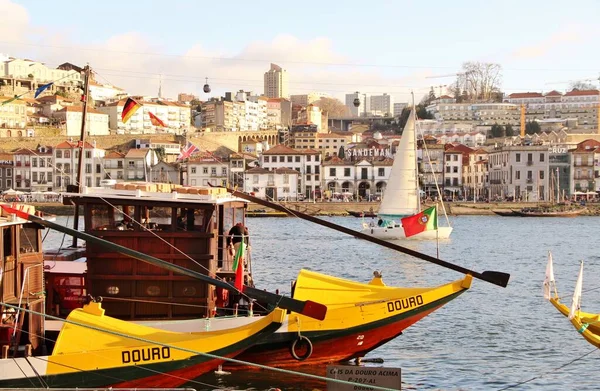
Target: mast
557, 185
414, 115
81, 143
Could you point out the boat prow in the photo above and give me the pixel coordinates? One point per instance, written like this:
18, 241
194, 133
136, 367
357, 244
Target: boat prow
360, 318
396, 232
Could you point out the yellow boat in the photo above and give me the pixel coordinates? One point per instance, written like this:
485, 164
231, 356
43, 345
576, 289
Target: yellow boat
586, 323
360, 317
95, 350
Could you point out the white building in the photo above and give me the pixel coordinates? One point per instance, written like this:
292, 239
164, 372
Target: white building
207, 170
175, 116
171, 150
38, 72
306, 162
382, 105
276, 82
365, 104
114, 166
279, 184
398, 107
41, 169
105, 92
71, 116
22, 171
361, 178
66, 165
138, 163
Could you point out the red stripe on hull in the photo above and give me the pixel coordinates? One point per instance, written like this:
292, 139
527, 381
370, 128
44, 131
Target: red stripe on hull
336, 348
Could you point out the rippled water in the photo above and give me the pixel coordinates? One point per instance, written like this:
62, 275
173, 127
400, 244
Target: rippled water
488, 338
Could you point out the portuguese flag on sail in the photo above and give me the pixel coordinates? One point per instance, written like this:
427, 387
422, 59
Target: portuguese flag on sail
424, 221
238, 266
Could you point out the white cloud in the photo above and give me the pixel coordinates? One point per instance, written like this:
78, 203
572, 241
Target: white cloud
131, 61
567, 35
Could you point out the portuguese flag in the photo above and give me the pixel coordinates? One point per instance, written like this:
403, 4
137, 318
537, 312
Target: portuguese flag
424, 221
129, 109
238, 266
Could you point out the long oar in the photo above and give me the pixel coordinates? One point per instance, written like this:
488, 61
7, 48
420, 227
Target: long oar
308, 308
496, 278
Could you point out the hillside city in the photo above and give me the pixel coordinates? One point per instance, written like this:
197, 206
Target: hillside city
473, 145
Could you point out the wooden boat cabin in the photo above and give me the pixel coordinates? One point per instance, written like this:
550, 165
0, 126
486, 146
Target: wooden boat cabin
21, 285
186, 226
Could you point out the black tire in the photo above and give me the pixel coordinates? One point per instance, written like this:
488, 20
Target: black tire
301, 343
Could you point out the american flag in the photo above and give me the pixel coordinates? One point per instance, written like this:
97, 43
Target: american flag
188, 151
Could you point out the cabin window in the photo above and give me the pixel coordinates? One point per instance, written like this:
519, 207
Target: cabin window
189, 219
101, 217
28, 240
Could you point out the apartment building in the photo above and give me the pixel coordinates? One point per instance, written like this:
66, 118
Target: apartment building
12, 114
114, 166
70, 118
7, 165
586, 158
382, 105
207, 170
66, 165
363, 109
307, 162
276, 82
175, 116
307, 99
278, 184
330, 144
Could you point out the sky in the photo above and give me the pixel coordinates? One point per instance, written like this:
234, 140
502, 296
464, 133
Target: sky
337, 47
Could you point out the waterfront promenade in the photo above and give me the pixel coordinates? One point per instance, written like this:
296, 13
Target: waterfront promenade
342, 208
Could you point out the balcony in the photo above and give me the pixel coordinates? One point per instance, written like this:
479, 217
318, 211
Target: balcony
529, 180
530, 162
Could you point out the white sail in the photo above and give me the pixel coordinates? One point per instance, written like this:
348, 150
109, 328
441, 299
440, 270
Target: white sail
400, 197
576, 303
549, 280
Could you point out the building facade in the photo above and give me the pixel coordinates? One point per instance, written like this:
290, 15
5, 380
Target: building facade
276, 82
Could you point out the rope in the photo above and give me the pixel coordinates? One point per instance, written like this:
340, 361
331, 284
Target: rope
547, 372
209, 355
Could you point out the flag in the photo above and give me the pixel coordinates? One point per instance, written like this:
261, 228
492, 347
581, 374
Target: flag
188, 151
16, 97
576, 303
129, 109
155, 120
549, 280
238, 266
41, 89
424, 221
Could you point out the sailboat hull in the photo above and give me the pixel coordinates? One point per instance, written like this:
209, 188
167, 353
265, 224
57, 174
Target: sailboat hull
397, 233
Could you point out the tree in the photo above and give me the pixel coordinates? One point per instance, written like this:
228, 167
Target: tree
497, 130
62, 93
581, 85
333, 107
341, 153
427, 99
532, 127
422, 113
509, 131
480, 81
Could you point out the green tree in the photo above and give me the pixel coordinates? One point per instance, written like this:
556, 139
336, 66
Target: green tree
497, 130
62, 93
532, 127
509, 131
422, 113
160, 152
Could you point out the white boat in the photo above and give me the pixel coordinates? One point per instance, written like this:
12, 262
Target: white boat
401, 197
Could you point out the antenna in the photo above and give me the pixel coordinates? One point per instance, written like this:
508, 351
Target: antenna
160, 86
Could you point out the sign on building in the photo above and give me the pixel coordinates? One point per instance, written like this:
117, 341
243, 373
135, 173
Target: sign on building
364, 377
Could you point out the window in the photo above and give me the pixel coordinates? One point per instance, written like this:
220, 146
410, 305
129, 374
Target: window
33, 162
9, 172
518, 157
88, 154
455, 158
447, 169
67, 154
213, 171
298, 159
289, 159
34, 176
205, 170
381, 171
308, 169
346, 172
448, 181
281, 159
286, 178
42, 177
541, 174
266, 159
316, 178
88, 168
223, 171
541, 157
193, 170
49, 177
455, 170
42, 162
517, 174
308, 177
530, 157
59, 154
131, 164
98, 169
254, 178
332, 171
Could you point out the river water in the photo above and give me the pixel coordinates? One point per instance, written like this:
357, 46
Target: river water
489, 338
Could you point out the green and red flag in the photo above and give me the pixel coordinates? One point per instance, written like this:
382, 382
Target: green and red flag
238, 266
424, 221
129, 109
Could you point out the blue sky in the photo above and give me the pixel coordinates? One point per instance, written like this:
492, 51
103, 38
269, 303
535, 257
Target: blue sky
376, 46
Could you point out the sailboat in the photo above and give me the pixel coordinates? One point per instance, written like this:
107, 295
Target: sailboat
401, 197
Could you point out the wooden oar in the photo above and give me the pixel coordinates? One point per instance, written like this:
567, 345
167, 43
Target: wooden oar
494, 277
308, 308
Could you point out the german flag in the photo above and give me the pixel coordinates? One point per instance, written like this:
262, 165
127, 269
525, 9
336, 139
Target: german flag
129, 109
155, 120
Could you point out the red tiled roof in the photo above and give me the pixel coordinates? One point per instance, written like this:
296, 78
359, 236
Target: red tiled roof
137, 153
582, 93
445, 97
114, 155
518, 95
554, 93
71, 145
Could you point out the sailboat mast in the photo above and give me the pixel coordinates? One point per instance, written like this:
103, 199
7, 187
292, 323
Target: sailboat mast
557, 185
414, 114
